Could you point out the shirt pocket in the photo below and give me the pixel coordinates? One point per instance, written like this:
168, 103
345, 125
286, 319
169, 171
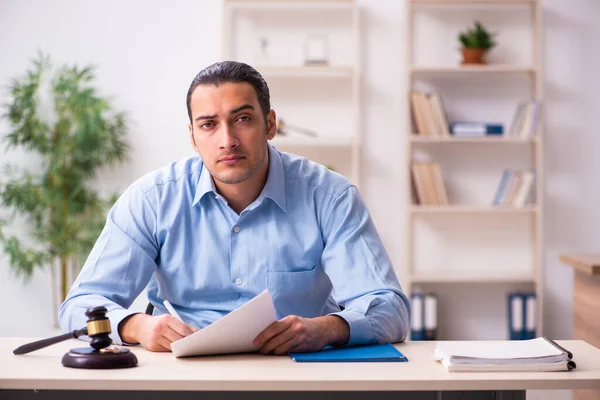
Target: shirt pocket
303, 293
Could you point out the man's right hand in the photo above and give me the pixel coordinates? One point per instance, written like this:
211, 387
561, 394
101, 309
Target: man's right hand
155, 333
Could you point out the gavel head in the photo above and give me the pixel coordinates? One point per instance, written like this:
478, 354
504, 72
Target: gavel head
98, 327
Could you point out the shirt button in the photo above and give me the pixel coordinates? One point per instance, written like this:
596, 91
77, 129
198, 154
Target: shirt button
236, 229
238, 281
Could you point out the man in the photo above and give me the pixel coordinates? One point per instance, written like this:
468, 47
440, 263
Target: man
209, 233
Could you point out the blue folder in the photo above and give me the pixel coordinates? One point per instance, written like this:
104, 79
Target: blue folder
366, 353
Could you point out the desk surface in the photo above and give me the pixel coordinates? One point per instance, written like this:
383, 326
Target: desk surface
162, 371
587, 263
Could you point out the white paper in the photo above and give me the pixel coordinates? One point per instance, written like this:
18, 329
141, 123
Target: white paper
234, 333
501, 350
502, 355
535, 367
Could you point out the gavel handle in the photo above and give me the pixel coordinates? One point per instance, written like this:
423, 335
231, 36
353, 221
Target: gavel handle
33, 346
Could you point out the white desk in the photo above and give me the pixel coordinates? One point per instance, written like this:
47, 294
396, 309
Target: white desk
43, 370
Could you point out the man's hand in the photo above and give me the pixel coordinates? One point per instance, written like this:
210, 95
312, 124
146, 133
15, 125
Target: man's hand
154, 333
297, 334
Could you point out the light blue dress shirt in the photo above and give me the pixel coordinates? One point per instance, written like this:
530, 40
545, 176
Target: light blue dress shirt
308, 238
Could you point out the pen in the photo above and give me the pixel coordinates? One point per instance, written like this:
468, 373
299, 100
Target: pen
171, 310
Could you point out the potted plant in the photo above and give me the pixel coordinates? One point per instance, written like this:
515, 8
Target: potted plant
60, 116
476, 42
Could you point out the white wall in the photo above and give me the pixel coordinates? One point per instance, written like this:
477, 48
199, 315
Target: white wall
147, 53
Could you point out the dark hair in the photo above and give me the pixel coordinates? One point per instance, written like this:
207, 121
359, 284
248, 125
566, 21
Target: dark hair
233, 72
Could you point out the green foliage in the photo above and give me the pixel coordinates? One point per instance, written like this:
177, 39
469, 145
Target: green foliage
65, 215
477, 37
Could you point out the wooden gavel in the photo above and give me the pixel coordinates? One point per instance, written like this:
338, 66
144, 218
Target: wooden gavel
101, 355
98, 329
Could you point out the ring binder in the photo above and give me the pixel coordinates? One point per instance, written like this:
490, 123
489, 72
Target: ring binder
559, 347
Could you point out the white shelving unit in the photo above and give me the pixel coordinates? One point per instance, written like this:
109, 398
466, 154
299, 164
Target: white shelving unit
270, 35
447, 276
469, 69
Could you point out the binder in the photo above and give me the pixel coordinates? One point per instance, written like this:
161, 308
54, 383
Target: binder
366, 353
540, 354
516, 311
430, 322
564, 351
530, 315
417, 331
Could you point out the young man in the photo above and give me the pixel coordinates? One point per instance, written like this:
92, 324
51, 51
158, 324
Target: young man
209, 233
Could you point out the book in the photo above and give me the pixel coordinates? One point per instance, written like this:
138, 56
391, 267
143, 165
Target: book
428, 183
526, 119
429, 114
467, 129
539, 354
430, 318
516, 188
417, 329
516, 316
365, 353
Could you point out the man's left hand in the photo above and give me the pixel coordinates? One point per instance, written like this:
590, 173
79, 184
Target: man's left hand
297, 334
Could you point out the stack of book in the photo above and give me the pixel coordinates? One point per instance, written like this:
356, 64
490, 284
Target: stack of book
516, 188
431, 120
428, 184
526, 119
540, 354
429, 115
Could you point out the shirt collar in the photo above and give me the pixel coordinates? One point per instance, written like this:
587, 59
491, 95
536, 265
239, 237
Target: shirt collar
205, 185
274, 187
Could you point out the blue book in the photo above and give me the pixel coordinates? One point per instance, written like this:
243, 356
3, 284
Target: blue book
516, 316
502, 187
530, 315
417, 327
366, 353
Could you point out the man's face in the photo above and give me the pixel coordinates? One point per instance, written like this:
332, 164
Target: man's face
229, 132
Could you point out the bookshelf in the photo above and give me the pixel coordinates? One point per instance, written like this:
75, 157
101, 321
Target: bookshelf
469, 209
472, 278
273, 36
473, 69
474, 140
466, 249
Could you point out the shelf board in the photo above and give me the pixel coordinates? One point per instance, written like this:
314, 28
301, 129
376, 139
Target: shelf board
306, 71
473, 69
494, 2
305, 141
483, 139
461, 277
471, 209
290, 4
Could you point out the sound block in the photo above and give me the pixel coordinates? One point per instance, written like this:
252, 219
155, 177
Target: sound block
107, 358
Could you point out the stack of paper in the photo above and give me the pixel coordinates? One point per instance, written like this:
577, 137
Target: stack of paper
540, 354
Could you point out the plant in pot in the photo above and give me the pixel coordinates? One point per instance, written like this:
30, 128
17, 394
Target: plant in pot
476, 42
59, 116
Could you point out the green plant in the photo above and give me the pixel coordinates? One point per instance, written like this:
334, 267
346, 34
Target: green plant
477, 37
75, 134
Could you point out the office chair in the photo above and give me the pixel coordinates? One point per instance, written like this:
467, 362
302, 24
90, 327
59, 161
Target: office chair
149, 308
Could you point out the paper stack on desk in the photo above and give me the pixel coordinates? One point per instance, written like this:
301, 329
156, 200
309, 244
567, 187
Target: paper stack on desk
540, 354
